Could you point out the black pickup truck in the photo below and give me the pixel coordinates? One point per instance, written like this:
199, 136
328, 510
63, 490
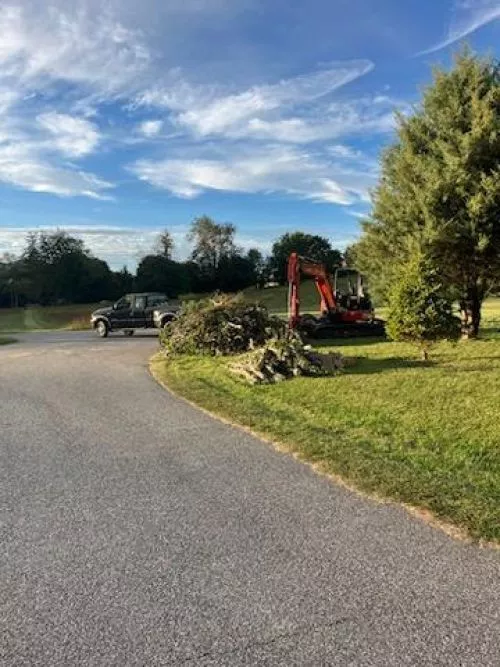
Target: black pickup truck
145, 310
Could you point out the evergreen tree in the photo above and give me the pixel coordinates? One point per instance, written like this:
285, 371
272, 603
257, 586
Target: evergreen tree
420, 312
440, 185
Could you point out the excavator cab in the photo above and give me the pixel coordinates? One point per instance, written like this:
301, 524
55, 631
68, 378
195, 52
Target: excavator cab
349, 290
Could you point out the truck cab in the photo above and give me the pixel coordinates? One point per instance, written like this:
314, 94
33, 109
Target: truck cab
144, 310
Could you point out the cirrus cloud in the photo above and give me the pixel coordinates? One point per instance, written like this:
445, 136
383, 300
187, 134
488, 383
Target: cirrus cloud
467, 17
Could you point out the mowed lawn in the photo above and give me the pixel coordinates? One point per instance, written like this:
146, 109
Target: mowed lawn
424, 434
49, 317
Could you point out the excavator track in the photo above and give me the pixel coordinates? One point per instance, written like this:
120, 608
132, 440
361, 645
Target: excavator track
325, 330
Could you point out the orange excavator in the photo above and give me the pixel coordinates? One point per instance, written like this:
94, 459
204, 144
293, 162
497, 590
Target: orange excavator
345, 309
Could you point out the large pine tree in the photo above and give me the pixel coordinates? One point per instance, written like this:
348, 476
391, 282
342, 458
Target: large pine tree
440, 184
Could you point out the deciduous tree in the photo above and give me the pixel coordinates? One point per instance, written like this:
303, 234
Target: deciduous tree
309, 245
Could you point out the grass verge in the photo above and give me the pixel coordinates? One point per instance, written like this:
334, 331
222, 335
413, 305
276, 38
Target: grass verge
424, 434
76, 316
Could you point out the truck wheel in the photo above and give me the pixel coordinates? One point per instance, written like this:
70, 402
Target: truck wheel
166, 323
102, 329
128, 332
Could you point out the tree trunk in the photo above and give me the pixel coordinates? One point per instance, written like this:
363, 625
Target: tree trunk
470, 308
425, 354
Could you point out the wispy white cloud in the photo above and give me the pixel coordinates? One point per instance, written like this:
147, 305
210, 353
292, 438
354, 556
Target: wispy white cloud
49, 53
62, 64
42, 44
253, 134
468, 16
271, 168
150, 128
24, 168
72, 136
227, 114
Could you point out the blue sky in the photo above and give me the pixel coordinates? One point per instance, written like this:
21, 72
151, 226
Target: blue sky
118, 119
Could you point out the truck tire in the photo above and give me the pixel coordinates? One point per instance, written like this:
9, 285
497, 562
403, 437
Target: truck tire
102, 329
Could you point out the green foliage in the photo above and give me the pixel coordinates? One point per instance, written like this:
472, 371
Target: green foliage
219, 264
212, 242
440, 185
222, 325
419, 312
308, 245
57, 268
158, 273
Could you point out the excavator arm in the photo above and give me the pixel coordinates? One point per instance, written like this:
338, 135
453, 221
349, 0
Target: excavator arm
298, 266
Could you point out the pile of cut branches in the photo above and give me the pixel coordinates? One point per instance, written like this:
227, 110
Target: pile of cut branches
222, 325
282, 359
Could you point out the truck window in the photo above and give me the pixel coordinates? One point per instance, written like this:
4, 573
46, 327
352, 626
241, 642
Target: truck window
140, 302
156, 300
123, 303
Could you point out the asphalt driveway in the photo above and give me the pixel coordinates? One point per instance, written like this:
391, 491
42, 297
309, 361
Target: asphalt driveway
136, 530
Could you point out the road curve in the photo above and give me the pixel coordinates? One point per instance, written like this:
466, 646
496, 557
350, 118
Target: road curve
136, 530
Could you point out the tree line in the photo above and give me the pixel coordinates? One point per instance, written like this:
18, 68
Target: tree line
57, 267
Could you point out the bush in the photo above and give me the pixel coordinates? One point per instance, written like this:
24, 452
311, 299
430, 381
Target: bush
419, 310
222, 325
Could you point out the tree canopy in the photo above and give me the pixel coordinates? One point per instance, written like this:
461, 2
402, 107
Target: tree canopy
159, 273
440, 185
309, 245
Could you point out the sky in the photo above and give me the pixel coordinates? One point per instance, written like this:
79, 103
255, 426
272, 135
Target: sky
122, 118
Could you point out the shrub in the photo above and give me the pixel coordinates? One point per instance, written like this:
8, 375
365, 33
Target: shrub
419, 310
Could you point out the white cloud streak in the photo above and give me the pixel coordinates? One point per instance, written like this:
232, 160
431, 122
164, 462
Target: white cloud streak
74, 137
271, 168
468, 16
43, 48
21, 167
227, 114
60, 64
150, 128
43, 43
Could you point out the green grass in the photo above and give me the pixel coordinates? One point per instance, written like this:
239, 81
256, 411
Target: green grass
49, 317
276, 298
424, 434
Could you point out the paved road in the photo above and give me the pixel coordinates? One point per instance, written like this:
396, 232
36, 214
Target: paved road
138, 531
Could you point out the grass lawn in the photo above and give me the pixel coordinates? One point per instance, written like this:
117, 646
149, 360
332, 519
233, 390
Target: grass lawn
51, 317
424, 434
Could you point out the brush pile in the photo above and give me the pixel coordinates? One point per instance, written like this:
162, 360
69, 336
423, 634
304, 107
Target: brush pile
285, 358
220, 326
